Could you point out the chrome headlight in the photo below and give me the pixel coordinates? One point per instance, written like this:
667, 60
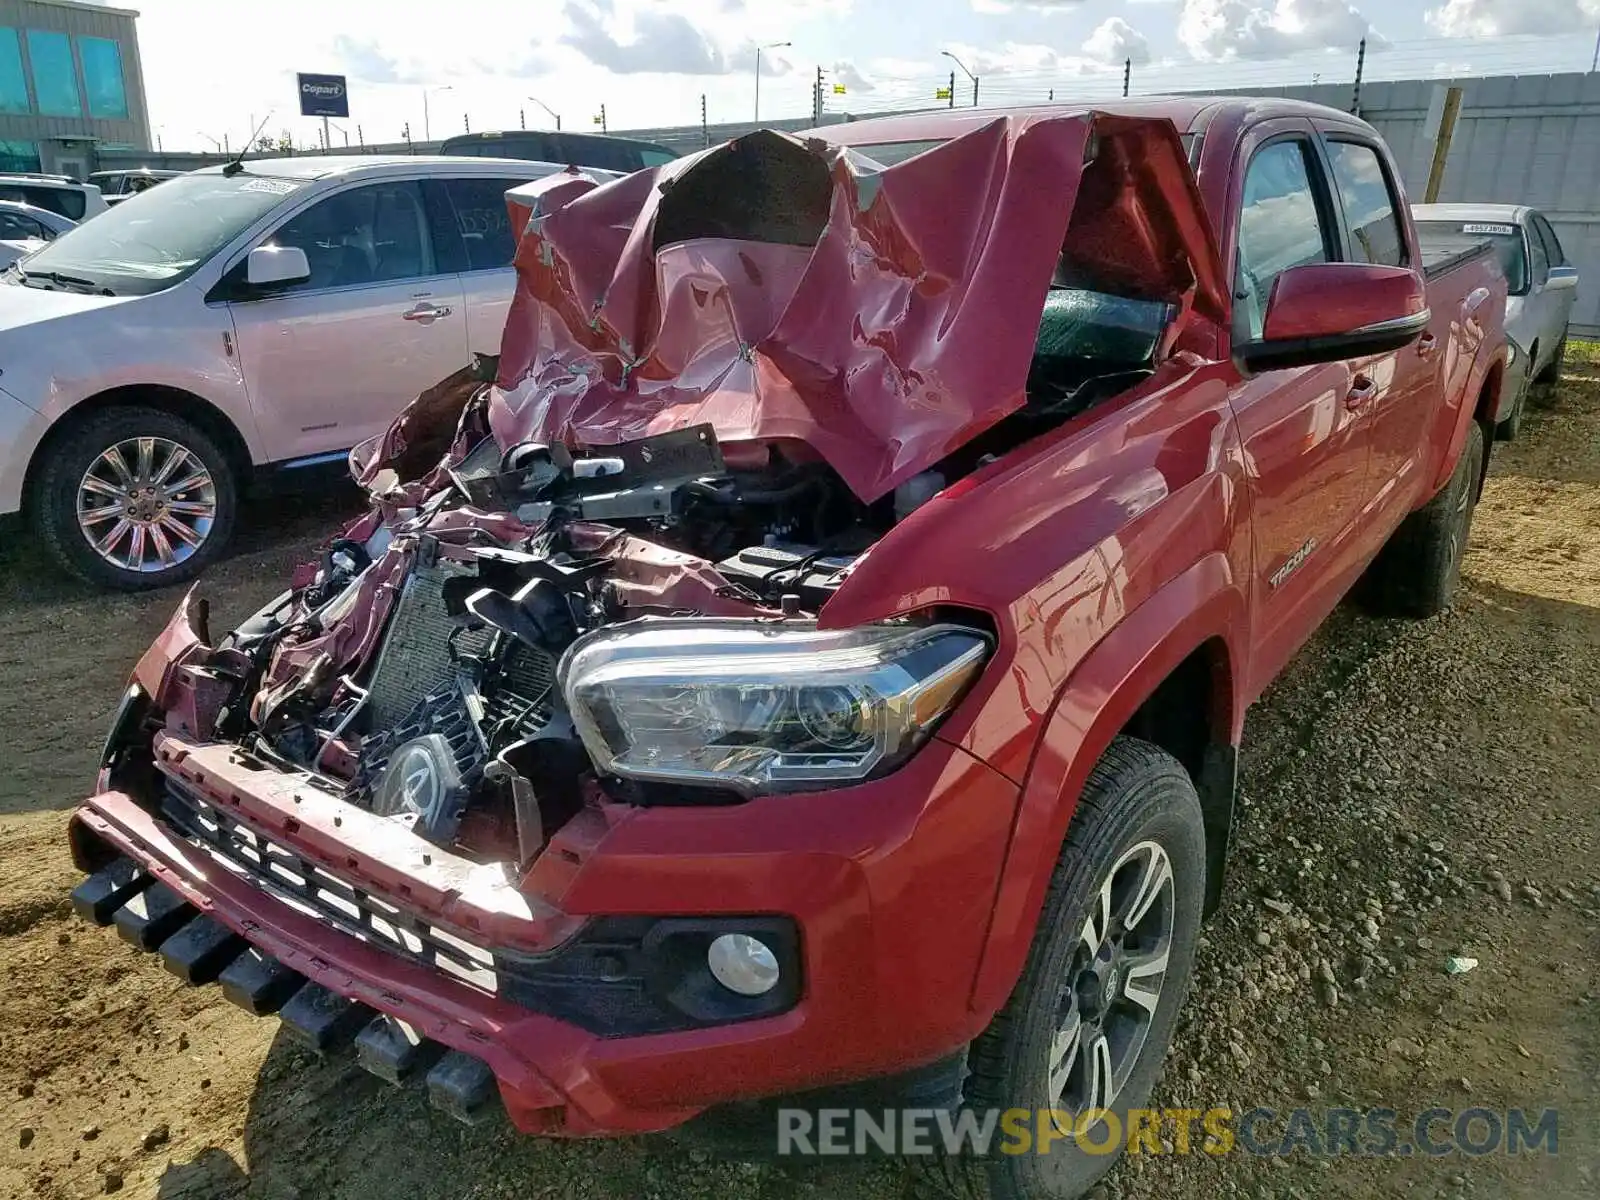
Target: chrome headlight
763, 706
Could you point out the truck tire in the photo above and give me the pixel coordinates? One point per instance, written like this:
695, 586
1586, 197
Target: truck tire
1137, 834
1416, 574
106, 507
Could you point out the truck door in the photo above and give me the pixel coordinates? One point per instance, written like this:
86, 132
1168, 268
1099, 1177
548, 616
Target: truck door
1305, 430
1406, 382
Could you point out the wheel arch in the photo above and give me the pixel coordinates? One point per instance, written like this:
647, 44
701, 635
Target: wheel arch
1169, 672
174, 401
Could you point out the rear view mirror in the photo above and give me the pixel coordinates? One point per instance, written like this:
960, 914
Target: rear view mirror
1561, 279
1324, 312
270, 266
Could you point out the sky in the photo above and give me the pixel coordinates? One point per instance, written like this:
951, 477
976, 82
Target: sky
213, 70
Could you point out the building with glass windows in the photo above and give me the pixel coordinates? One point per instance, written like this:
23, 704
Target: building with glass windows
70, 85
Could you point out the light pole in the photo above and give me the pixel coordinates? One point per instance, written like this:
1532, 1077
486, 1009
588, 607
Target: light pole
759, 49
965, 72
549, 110
427, 125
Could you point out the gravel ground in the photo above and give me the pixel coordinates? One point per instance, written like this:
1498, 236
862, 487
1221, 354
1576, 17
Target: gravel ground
1411, 792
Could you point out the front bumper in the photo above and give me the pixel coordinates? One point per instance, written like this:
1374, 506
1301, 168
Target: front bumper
889, 885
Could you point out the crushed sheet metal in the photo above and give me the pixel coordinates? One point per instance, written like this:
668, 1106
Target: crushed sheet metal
882, 330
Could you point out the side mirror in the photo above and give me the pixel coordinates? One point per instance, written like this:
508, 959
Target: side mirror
1561, 279
1325, 312
270, 266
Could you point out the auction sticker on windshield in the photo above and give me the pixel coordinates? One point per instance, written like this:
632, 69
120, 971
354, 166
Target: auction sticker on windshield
278, 187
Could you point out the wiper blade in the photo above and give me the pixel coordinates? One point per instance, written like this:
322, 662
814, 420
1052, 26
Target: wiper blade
60, 280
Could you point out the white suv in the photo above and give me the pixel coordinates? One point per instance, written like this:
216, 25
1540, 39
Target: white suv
57, 193
263, 316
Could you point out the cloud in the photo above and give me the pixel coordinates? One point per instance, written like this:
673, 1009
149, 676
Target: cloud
665, 42
1497, 18
1214, 30
993, 7
1115, 41
363, 60
850, 75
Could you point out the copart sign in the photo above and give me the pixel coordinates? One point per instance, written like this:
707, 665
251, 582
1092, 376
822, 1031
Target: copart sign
324, 96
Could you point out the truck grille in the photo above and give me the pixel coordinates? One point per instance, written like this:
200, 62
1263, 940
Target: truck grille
308, 888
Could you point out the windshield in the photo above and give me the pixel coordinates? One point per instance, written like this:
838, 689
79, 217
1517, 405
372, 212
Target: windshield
160, 236
1442, 238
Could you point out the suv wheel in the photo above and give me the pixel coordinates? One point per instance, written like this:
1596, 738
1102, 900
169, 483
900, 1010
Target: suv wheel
1088, 1025
135, 498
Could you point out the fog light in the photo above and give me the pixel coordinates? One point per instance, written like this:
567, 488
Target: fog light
743, 964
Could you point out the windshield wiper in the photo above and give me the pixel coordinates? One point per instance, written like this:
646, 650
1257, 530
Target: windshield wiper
66, 281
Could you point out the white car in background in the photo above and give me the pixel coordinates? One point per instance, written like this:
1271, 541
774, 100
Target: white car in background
57, 193
1541, 285
261, 316
24, 229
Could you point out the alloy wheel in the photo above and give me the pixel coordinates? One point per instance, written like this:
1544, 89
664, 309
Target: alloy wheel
146, 504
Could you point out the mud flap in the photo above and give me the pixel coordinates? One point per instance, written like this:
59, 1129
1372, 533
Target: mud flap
98, 897
395, 1052
151, 916
464, 1087
200, 951
259, 983
324, 1020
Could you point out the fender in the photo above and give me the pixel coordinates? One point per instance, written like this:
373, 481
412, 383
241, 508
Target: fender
1204, 602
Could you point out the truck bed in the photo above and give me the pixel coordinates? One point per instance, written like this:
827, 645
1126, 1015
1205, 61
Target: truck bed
1437, 261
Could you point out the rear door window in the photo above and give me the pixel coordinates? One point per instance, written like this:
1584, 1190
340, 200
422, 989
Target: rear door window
1552, 245
68, 202
1367, 197
478, 207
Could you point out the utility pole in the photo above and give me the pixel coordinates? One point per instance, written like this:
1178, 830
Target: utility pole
816, 99
603, 128
965, 72
522, 118
466, 123
360, 139
759, 49
1594, 63
705, 130
1127, 74
406, 134
974, 91
1441, 145
1361, 62
952, 89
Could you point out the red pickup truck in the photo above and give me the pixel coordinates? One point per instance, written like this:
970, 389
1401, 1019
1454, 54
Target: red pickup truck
808, 666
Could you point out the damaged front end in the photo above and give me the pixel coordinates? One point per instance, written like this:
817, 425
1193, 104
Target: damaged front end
474, 755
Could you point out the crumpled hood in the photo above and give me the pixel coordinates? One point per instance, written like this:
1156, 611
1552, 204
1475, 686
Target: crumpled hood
799, 293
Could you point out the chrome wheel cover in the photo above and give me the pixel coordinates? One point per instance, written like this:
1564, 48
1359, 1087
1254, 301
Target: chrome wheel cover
146, 504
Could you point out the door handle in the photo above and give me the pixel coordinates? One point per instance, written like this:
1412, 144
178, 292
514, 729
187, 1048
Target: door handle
1361, 390
426, 313
1427, 346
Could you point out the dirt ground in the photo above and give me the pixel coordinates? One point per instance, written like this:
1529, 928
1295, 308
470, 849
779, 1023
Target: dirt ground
1440, 780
